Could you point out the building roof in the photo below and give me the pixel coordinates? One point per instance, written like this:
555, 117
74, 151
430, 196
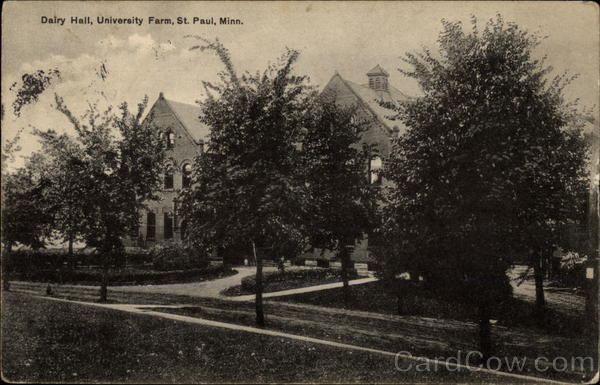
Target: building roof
373, 100
189, 116
377, 70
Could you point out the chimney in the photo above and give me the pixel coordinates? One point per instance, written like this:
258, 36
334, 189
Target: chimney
161, 95
378, 78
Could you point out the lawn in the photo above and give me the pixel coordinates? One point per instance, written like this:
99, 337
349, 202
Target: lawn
415, 301
291, 278
422, 336
48, 341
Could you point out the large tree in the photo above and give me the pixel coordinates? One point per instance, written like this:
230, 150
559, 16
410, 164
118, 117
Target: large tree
487, 168
114, 163
66, 172
27, 215
341, 199
246, 187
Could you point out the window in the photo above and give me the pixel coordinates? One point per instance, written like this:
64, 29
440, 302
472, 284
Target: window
170, 140
169, 179
168, 228
150, 226
374, 168
186, 177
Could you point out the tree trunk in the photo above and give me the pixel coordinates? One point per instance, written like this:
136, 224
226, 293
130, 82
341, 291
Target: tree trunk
5, 256
540, 301
414, 276
70, 245
345, 256
70, 261
399, 297
104, 282
399, 304
485, 332
260, 316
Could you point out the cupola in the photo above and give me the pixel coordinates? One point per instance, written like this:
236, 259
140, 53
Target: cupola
378, 78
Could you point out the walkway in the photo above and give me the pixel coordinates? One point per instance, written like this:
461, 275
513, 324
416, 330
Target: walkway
204, 289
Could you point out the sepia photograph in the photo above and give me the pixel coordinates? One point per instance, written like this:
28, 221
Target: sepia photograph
276, 192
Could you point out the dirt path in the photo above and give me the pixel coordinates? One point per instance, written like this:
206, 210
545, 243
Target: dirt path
204, 289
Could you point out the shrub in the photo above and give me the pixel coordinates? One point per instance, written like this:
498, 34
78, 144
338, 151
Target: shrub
572, 267
129, 276
24, 262
174, 256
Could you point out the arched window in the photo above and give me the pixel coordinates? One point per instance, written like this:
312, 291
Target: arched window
186, 175
374, 168
170, 140
168, 179
150, 226
168, 228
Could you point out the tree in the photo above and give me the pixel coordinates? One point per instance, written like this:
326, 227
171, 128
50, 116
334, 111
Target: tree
486, 167
246, 188
26, 212
66, 173
32, 85
117, 174
341, 197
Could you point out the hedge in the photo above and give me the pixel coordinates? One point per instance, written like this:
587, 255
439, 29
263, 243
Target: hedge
174, 256
127, 276
24, 261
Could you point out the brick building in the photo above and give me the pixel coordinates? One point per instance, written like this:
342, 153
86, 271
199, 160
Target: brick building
185, 137
372, 101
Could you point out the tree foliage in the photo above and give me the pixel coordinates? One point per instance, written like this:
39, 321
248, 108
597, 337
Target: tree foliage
334, 162
102, 177
341, 200
488, 167
245, 185
32, 85
26, 210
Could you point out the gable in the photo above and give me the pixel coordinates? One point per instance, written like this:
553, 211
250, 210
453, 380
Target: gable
180, 117
349, 93
189, 116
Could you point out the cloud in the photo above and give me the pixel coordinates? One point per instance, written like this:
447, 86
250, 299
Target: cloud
116, 70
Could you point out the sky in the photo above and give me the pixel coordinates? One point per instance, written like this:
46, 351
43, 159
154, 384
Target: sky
347, 37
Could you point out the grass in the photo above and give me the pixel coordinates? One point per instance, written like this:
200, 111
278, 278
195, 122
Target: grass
422, 337
291, 278
377, 297
420, 333
48, 341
